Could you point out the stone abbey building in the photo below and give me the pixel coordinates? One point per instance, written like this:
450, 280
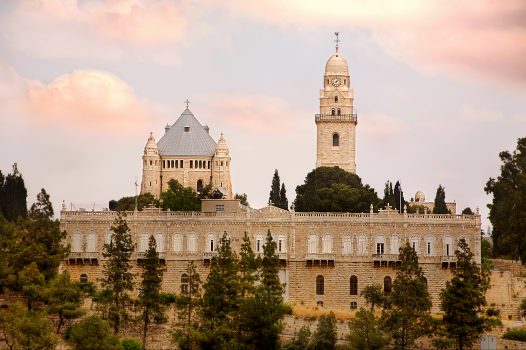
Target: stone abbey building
327, 258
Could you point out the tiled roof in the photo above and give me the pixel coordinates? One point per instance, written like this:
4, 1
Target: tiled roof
186, 137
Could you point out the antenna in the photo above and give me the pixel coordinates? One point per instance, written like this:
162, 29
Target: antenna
136, 193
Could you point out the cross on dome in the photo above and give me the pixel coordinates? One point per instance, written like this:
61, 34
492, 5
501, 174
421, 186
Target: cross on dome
187, 103
337, 40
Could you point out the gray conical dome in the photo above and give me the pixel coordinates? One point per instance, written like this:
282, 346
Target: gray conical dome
186, 137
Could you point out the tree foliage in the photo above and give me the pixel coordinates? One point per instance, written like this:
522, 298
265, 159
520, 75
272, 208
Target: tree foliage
440, 201
392, 196
300, 341
467, 211
331, 189
324, 338
409, 314
462, 299
242, 199
508, 208
13, 195
179, 198
278, 193
117, 277
373, 295
365, 332
93, 333
150, 301
144, 200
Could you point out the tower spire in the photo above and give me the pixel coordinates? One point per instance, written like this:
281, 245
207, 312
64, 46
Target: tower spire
337, 40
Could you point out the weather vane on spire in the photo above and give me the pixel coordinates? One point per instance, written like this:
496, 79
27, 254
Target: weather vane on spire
187, 103
337, 40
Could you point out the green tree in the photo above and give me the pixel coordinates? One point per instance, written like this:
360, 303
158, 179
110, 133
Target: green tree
389, 198
462, 299
9, 247
365, 332
179, 198
467, 211
408, 316
373, 295
325, 336
32, 283
440, 202
278, 193
300, 341
63, 297
220, 299
117, 277
93, 333
150, 301
399, 200
189, 304
13, 195
334, 189
242, 199
23, 329
508, 208
144, 200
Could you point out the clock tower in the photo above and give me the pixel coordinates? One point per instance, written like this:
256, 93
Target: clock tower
336, 122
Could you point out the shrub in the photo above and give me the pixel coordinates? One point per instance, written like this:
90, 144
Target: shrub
515, 334
131, 344
93, 333
492, 312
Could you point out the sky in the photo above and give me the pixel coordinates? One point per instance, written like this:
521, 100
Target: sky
440, 89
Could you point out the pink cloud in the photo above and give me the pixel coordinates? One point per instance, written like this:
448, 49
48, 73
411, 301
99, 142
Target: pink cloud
84, 99
472, 39
381, 126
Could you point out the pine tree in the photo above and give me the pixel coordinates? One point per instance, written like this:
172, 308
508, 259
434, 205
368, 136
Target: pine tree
440, 201
463, 298
64, 298
408, 317
150, 301
248, 267
187, 329
365, 332
373, 295
399, 202
283, 201
220, 299
325, 336
118, 280
274, 195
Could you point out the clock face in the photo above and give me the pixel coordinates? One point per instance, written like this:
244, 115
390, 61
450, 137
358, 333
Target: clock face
336, 82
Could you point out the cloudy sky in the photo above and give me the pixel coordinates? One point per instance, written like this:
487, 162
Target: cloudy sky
440, 89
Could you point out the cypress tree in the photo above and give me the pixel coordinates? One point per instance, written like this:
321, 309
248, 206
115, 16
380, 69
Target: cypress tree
14, 196
274, 195
440, 201
118, 280
409, 317
283, 201
463, 298
150, 301
398, 203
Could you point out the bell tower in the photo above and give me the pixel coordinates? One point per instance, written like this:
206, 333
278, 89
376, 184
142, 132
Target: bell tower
336, 122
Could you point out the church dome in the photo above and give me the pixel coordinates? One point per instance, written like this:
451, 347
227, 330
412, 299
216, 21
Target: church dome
337, 65
420, 197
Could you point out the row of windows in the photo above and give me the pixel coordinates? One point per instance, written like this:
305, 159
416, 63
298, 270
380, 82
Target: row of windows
353, 285
173, 164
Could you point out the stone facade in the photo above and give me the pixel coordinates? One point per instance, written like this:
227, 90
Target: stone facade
327, 258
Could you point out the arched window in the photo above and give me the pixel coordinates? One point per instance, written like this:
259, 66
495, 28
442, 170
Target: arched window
143, 242
199, 185
335, 139
424, 280
184, 283
177, 242
281, 244
395, 245
333, 112
107, 238
76, 243
336, 99
448, 246
327, 244
210, 243
191, 243
313, 244
259, 243
354, 305
83, 278
320, 285
91, 243
380, 245
353, 285
339, 112
362, 245
387, 284
159, 240
347, 245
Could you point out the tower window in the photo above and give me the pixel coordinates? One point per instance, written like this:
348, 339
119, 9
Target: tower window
336, 99
353, 285
333, 112
339, 112
191, 164
181, 164
199, 185
320, 285
335, 140
186, 129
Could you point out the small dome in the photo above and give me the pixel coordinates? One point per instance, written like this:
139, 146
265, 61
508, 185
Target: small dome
420, 197
337, 65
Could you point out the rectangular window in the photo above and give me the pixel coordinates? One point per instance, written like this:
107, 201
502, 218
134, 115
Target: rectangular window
191, 164
447, 249
379, 248
181, 164
208, 164
280, 246
221, 163
176, 163
220, 207
428, 248
164, 164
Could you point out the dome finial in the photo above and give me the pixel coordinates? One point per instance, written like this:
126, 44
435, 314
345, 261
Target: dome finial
337, 40
187, 103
